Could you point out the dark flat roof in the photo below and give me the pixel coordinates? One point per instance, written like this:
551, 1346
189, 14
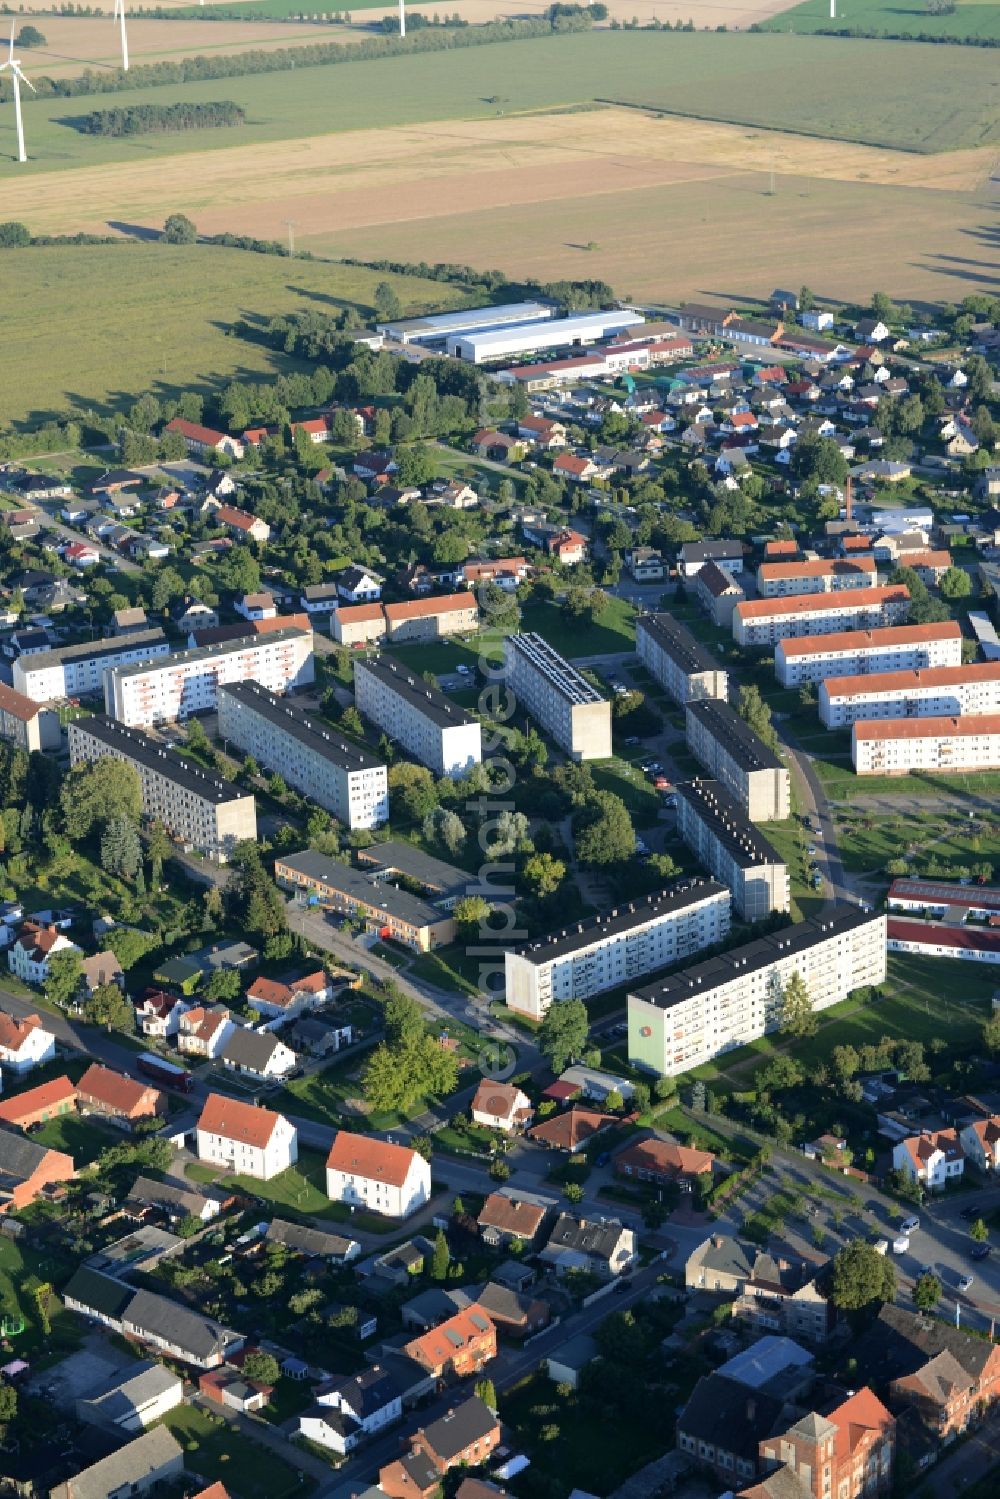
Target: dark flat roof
753, 956
584, 933
680, 645
359, 885
160, 759
736, 737
87, 650
292, 719
728, 822
418, 694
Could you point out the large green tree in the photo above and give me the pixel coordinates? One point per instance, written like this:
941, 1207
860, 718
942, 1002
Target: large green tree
109, 1007
563, 1033
861, 1276
64, 972
606, 834
97, 793
797, 1015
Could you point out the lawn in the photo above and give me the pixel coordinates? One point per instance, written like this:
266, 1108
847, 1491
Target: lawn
869, 842
618, 776
789, 840
302, 1190
83, 1139
218, 1452
204, 288
612, 634
971, 19
20, 1269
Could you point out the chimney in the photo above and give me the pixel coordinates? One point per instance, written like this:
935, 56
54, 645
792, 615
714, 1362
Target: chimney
848, 499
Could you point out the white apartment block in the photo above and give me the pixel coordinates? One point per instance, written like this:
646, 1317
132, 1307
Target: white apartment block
896, 746
732, 753
763, 622
244, 1139
307, 752
431, 728
927, 692
848, 653
630, 941
779, 579
735, 998
76, 670
199, 810
726, 843
554, 693
187, 683
683, 667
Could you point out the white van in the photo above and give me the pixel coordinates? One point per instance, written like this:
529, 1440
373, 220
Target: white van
909, 1225
901, 1244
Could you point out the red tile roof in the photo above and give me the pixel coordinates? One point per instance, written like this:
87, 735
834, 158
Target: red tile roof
969, 725
437, 1348
15, 1030
237, 1121
667, 1158
846, 640
816, 603
565, 1131
860, 1417
523, 1219
114, 1091
376, 1160
449, 603
823, 567
912, 679
195, 432
58, 1090
936, 934
356, 614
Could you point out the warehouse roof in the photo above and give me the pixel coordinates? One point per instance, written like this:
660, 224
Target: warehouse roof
938, 934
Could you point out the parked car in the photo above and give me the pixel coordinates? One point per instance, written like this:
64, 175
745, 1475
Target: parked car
901, 1244
981, 1252
965, 1283
909, 1225
969, 1212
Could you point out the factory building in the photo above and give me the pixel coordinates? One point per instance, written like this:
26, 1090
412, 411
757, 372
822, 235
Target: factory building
434, 331
489, 346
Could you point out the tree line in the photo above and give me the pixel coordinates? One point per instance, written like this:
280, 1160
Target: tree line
155, 119
284, 59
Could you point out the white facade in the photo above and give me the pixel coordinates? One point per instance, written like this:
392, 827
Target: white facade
75, 671
29, 962
949, 691
896, 746
727, 844
682, 666
25, 1046
852, 652
307, 752
367, 1182
732, 753
931, 1160
555, 694
248, 1158
736, 998
763, 622
624, 945
188, 682
782, 579
417, 716
559, 333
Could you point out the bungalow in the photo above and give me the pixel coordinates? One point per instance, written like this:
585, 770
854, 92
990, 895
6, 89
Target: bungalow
114, 1096
979, 1139
152, 1320
38, 1105
243, 525
24, 1043
498, 447
356, 585
570, 1131
27, 1168
239, 1137
313, 1243
257, 1054
570, 466
513, 1312
501, 1106
174, 1202
663, 1162
602, 1247
930, 1159
505, 1218
81, 554
204, 440
376, 1174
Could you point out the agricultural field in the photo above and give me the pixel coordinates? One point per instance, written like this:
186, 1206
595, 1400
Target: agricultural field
122, 319
971, 19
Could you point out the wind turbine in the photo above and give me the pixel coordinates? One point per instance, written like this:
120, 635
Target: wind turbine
120, 16
402, 17
17, 78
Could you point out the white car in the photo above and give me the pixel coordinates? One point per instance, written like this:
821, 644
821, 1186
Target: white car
965, 1284
463, 671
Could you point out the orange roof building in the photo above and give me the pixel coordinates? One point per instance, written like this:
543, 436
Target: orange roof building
103, 1091
570, 1131
245, 1139
39, 1105
504, 1218
896, 746
929, 691
663, 1161
823, 575
363, 1171
849, 652
765, 621
458, 1347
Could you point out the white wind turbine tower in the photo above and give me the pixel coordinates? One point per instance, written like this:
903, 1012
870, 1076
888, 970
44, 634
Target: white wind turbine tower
120, 16
402, 17
17, 78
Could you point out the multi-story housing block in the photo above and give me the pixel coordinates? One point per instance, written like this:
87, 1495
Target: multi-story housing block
927, 692
554, 693
196, 808
307, 752
763, 622
77, 670
735, 998
434, 730
732, 753
726, 843
605, 951
25, 723
897, 746
433, 618
781, 579
189, 681
682, 666
849, 653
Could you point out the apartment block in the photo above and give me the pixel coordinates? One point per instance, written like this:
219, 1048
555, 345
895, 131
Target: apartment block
848, 653
725, 842
198, 809
189, 682
427, 724
307, 752
592, 956
896, 746
824, 575
732, 753
433, 618
682, 666
76, 670
763, 622
554, 693
26, 724
928, 692
730, 1000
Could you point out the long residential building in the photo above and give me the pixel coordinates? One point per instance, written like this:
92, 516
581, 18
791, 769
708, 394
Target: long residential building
939, 939
730, 1000
368, 892
76, 670
725, 842
198, 809
428, 725
848, 653
684, 667
555, 694
414, 619
779, 579
896, 746
927, 692
732, 753
605, 951
189, 681
763, 622
307, 752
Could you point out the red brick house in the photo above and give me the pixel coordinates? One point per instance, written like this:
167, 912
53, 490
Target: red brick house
663, 1161
27, 1168
38, 1105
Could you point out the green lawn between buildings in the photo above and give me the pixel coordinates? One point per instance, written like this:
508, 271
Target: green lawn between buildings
300, 1190
218, 1452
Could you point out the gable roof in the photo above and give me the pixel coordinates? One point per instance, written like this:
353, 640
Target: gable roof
250, 1049
459, 1428
237, 1121
376, 1160
570, 1129
50, 1095
666, 1156
501, 1100
113, 1090
15, 1030
599, 1240
439, 1345
126, 1470
522, 1219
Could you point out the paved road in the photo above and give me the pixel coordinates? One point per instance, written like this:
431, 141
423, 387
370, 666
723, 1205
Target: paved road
106, 553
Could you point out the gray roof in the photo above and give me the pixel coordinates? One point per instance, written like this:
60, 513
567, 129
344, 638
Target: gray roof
727, 1255
416, 693
726, 820
161, 759
405, 858
733, 734
599, 1240
164, 1194
131, 1464
120, 1396
309, 730
250, 1049
677, 641
621, 919
703, 551
730, 1416
308, 1240
19, 1157
198, 1336
99, 1293
322, 870
96, 650
467, 1423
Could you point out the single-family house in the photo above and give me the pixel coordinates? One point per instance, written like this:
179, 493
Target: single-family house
27, 1169
158, 1013
258, 1054
256, 606
28, 957
979, 1139
505, 1218
501, 1106
277, 998
376, 1174
24, 1043
115, 1096
931, 1159
358, 585
602, 1247
352, 1407
242, 525
203, 1030
571, 1130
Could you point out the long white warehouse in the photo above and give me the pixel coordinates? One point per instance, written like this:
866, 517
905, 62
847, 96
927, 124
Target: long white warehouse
846, 653
896, 746
735, 998
928, 692
439, 327
582, 328
630, 941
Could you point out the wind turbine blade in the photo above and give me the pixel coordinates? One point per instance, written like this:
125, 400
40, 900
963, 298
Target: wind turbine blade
25, 80
12, 41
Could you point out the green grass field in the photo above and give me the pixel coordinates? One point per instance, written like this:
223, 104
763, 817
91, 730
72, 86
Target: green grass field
218, 1452
104, 322
972, 18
